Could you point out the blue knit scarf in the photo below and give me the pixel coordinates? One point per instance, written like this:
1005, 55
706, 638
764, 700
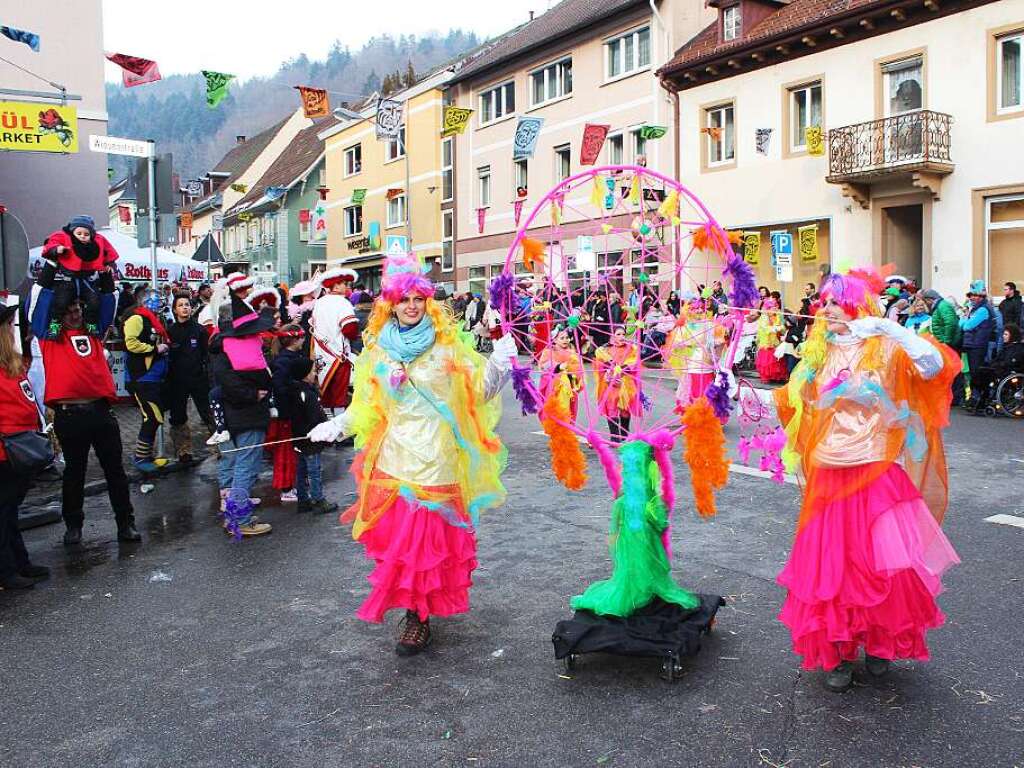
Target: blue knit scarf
404, 345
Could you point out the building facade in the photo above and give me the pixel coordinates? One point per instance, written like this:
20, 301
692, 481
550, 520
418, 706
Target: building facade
582, 62
855, 122
389, 193
45, 189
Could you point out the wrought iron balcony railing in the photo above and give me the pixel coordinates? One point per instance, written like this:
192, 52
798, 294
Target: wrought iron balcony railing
901, 143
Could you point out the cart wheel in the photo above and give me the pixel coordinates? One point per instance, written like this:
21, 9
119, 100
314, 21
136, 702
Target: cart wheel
990, 410
569, 662
1010, 395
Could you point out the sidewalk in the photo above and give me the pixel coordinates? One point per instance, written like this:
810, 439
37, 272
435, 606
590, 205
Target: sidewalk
42, 504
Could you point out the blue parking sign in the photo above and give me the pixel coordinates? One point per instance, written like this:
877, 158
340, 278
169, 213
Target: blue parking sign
782, 243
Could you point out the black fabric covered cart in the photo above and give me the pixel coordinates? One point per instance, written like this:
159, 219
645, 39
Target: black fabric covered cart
659, 629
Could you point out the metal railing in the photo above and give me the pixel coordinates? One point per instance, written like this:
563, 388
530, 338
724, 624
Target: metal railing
878, 146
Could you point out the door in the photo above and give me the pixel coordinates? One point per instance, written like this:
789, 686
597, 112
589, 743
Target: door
903, 240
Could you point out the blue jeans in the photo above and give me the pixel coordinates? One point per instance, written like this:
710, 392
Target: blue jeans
308, 472
238, 470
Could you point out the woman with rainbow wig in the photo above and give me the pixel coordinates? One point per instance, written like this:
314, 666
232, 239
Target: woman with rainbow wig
863, 413
423, 414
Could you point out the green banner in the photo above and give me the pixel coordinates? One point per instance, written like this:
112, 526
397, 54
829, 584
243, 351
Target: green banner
358, 196
216, 87
648, 132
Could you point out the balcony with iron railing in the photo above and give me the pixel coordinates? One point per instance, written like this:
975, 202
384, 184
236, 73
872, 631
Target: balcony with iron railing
914, 146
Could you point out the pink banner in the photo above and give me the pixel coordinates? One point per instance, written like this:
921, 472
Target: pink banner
593, 139
481, 218
517, 210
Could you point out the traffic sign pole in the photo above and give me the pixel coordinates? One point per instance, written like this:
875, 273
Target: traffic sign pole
152, 209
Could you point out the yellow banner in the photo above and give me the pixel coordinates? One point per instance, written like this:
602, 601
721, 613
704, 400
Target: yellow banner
454, 120
808, 238
30, 127
815, 140
752, 247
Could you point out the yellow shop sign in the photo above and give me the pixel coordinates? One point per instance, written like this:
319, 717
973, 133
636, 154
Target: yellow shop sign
33, 127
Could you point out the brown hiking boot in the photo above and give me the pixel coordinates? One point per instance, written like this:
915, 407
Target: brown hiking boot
414, 636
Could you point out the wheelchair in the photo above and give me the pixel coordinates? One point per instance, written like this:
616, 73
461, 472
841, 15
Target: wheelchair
1008, 398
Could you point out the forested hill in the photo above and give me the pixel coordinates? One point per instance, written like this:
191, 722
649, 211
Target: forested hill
173, 111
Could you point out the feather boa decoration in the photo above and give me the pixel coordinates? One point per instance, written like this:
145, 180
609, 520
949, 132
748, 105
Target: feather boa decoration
500, 290
533, 253
718, 395
612, 469
235, 516
744, 287
567, 459
705, 454
523, 387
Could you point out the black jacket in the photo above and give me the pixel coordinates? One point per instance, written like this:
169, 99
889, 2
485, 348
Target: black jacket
1011, 310
281, 376
189, 353
306, 412
244, 409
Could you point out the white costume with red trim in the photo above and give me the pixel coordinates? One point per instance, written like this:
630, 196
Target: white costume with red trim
331, 349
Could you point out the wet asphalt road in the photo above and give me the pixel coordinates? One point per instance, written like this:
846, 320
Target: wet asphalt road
188, 650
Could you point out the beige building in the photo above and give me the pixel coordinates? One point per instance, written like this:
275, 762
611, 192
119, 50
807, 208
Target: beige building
584, 61
920, 107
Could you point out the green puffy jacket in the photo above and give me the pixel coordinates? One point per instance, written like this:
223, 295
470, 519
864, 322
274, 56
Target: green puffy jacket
946, 324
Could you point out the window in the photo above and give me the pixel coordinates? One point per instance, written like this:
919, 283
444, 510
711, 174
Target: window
721, 135
497, 102
353, 220
804, 111
639, 147
323, 176
904, 85
615, 153
447, 241
396, 211
353, 160
551, 82
627, 53
396, 147
520, 178
563, 162
732, 23
1009, 73
447, 174
1004, 222
483, 179
478, 280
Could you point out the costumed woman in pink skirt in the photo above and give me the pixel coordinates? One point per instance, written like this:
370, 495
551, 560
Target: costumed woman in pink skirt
863, 413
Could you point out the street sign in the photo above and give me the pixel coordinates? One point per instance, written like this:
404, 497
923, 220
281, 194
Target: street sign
782, 248
112, 145
396, 245
194, 188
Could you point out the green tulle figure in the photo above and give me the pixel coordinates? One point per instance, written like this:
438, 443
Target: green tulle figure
641, 570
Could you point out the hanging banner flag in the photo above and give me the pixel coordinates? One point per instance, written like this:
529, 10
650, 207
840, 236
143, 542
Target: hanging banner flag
751, 247
808, 239
651, 132
314, 101
525, 140
393, 192
593, 139
134, 69
517, 210
815, 140
318, 223
186, 219
240, 188
358, 196
609, 197
304, 216
454, 121
389, 118
31, 39
246, 216
26, 127
481, 219
762, 140
714, 133
273, 193
216, 87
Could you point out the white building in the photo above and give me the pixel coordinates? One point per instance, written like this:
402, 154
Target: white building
921, 106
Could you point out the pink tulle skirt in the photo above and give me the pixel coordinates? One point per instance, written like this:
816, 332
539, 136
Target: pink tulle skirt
424, 563
864, 573
769, 367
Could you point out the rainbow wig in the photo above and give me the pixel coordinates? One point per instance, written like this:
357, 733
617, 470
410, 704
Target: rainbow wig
855, 291
403, 275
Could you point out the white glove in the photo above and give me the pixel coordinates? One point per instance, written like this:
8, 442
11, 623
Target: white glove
865, 327
330, 430
926, 358
505, 352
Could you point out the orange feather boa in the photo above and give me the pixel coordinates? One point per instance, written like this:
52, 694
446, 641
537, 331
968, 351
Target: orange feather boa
705, 454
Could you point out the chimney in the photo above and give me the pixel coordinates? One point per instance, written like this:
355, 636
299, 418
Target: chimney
531, 15
239, 139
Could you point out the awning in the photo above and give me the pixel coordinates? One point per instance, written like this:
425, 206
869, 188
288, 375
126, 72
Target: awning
361, 261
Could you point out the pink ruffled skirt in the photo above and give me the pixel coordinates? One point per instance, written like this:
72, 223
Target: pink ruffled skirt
769, 367
864, 572
424, 563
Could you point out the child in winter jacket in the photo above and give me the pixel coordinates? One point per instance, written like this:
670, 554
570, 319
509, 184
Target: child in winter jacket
306, 412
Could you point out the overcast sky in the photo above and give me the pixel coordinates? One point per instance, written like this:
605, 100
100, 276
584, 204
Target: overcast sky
254, 37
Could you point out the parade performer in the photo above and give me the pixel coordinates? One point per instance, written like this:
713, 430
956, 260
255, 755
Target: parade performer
333, 324
862, 413
769, 336
74, 255
147, 343
423, 414
562, 371
690, 351
618, 383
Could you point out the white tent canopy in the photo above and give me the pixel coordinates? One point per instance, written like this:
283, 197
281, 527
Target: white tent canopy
134, 263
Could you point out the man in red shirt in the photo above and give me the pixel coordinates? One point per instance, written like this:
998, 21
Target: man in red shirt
80, 390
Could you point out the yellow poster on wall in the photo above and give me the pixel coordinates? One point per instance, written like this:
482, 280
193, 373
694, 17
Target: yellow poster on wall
34, 127
752, 247
808, 238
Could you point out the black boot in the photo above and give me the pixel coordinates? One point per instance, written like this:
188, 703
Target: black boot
16, 581
35, 572
127, 532
414, 636
73, 536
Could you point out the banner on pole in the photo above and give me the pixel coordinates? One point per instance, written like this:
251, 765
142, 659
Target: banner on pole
315, 102
216, 86
31, 39
454, 120
751, 247
389, 118
525, 141
808, 239
33, 127
593, 139
135, 70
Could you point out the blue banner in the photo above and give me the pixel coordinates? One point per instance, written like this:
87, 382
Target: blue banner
527, 133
